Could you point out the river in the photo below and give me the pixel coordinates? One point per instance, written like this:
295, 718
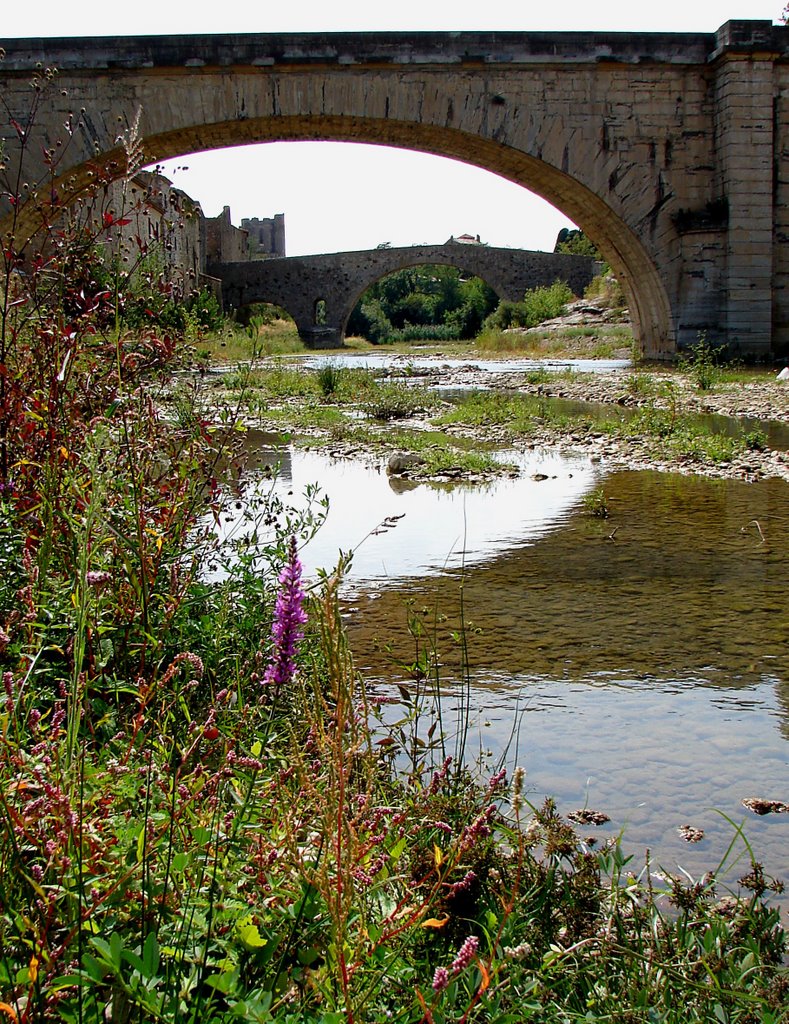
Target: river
637, 664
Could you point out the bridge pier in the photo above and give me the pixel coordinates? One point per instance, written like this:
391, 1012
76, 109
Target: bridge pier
322, 336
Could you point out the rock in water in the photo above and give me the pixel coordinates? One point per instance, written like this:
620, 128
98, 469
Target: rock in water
402, 462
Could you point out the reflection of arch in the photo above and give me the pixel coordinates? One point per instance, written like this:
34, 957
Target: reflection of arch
638, 139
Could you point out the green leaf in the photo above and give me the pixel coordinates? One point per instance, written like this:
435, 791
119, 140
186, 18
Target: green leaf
116, 949
249, 935
224, 982
180, 860
130, 957
150, 956
397, 849
95, 969
102, 947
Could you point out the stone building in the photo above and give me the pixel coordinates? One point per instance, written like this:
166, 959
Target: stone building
146, 222
224, 242
266, 235
149, 224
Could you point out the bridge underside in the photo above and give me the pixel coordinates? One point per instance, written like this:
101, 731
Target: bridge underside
668, 150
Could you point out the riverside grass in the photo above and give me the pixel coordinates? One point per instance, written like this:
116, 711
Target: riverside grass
206, 817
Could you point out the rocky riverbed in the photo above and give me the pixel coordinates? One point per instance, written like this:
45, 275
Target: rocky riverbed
761, 398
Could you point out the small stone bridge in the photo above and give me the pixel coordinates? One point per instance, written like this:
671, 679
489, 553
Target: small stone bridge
669, 150
320, 292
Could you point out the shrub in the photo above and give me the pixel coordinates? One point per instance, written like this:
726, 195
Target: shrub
605, 290
538, 305
702, 362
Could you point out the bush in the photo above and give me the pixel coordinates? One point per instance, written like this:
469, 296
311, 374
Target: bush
605, 290
702, 362
538, 305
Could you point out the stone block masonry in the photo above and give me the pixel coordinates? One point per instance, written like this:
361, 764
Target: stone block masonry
667, 149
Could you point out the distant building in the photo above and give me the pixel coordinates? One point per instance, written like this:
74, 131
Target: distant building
153, 225
225, 243
464, 240
266, 235
147, 223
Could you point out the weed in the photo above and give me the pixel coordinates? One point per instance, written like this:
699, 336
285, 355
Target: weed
329, 378
755, 440
640, 384
393, 401
702, 363
596, 503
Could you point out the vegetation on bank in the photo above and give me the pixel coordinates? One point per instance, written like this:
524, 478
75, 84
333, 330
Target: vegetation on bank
667, 431
206, 817
432, 303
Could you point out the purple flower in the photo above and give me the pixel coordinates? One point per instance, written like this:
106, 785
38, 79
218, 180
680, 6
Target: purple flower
465, 955
440, 979
286, 629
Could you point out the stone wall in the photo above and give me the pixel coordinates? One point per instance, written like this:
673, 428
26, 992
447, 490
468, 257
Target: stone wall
225, 243
266, 235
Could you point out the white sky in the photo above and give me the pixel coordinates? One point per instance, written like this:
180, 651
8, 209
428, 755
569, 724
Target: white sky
340, 196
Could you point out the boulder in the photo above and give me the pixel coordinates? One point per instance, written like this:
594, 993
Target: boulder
402, 462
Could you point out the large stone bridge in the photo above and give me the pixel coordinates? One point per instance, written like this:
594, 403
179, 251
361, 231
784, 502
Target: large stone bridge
669, 150
320, 292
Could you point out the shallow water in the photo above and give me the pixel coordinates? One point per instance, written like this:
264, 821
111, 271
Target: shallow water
639, 664
388, 360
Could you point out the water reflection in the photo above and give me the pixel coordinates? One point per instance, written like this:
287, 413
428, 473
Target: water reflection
439, 528
677, 583
642, 660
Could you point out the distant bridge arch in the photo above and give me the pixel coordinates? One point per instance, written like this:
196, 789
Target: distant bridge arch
299, 283
664, 148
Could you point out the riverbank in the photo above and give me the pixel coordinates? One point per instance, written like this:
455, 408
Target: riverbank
654, 419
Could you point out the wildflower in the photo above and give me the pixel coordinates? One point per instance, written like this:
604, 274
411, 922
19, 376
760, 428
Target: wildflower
440, 775
440, 979
96, 577
465, 883
519, 952
517, 789
465, 954
289, 617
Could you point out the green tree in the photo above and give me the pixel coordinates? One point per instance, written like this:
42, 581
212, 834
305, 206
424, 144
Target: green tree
575, 243
434, 297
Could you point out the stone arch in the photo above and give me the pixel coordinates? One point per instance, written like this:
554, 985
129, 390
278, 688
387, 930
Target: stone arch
319, 312
299, 283
491, 280
641, 280
656, 144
